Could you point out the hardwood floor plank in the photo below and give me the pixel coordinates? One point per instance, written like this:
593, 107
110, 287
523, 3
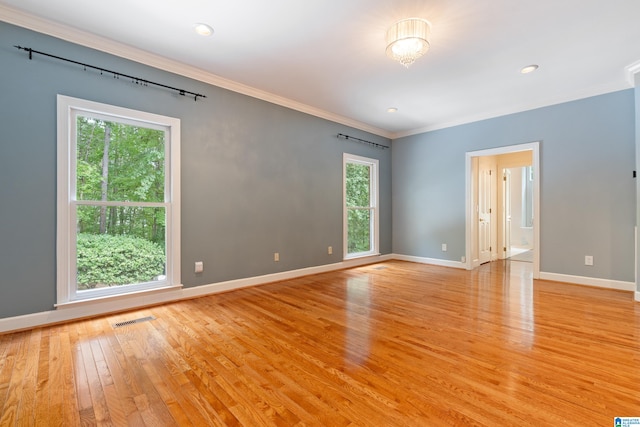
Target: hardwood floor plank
27, 403
64, 371
95, 390
81, 380
126, 387
8, 344
113, 400
393, 344
148, 402
42, 398
18, 352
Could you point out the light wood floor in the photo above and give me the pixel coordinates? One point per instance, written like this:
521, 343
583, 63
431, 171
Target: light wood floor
392, 344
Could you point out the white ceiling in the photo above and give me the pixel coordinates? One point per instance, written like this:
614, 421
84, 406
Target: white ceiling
327, 56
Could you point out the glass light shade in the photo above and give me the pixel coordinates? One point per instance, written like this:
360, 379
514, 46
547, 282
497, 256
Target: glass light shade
408, 40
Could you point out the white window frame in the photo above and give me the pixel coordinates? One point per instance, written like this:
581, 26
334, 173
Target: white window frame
373, 205
67, 110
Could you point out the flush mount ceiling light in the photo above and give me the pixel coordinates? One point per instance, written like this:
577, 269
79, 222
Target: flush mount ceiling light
392, 110
529, 69
203, 29
408, 40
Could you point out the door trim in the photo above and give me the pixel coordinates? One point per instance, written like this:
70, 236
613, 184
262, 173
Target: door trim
470, 228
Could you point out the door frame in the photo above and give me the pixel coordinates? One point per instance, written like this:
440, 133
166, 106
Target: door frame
471, 196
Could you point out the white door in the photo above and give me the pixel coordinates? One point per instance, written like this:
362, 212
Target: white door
484, 214
506, 191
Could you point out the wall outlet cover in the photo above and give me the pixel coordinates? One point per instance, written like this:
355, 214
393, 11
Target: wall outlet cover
199, 268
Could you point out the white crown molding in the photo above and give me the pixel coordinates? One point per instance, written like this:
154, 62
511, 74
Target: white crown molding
632, 70
515, 109
82, 38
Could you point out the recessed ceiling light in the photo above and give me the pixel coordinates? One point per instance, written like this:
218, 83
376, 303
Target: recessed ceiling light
203, 29
529, 69
392, 110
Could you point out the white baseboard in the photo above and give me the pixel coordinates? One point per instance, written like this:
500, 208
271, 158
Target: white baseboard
88, 309
100, 307
432, 261
590, 281
230, 285
29, 321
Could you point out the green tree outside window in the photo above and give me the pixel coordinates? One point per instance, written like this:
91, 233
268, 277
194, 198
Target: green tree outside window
116, 244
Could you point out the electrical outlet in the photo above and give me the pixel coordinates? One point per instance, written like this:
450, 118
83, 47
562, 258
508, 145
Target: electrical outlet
199, 268
330, 250
276, 257
444, 247
463, 259
588, 260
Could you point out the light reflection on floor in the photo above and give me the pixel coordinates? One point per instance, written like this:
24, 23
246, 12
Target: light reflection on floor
357, 335
518, 298
516, 295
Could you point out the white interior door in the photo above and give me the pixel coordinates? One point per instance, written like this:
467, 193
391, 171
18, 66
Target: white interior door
506, 191
484, 214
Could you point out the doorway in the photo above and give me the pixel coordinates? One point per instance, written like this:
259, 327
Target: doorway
480, 194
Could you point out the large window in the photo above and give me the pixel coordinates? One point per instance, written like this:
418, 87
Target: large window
360, 206
118, 200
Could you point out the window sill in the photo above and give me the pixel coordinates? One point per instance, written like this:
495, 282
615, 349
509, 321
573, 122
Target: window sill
109, 298
362, 255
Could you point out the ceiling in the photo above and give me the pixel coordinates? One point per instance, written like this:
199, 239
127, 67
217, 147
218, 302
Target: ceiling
327, 57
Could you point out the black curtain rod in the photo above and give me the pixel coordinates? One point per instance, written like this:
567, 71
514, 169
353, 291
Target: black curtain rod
364, 141
116, 74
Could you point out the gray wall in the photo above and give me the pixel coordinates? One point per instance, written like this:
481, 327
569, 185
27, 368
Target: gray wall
257, 178
587, 194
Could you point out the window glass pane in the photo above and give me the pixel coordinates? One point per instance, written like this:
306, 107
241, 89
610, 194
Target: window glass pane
119, 245
358, 230
358, 184
527, 196
119, 162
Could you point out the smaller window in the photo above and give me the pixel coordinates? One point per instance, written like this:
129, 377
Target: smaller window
360, 223
527, 197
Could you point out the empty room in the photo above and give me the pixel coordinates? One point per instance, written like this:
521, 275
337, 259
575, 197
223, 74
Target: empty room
319, 213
